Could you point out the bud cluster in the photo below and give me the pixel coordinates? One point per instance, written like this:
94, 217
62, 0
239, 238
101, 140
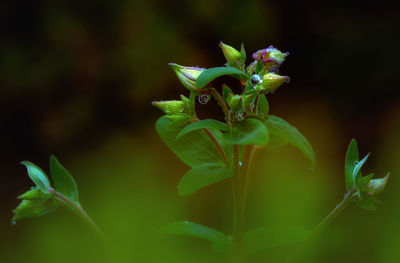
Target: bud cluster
260, 77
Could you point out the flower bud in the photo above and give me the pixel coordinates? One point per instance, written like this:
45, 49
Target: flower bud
271, 57
187, 75
170, 107
32, 194
235, 102
376, 186
272, 81
33, 208
232, 56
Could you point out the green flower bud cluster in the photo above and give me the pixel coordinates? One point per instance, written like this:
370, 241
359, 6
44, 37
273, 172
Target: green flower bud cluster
260, 77
41, 199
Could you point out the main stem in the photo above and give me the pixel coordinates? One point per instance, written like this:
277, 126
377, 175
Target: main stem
238, 227
82, 213
237, 187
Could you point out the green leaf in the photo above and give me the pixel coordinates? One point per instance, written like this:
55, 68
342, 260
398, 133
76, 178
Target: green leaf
275, 142
37, 176
209, 75
63, 181
34, 208
366, 202
178, 122
357, 168
243, 53
220, 242
271, 237
201, 176
351, 161
247, 132
226, 91
202, 124
194, 148
259, 67
262, 105
286, 131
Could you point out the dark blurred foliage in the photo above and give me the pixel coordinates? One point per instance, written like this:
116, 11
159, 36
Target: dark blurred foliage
77, 79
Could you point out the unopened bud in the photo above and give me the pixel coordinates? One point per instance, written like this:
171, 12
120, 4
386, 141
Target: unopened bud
271, 57
272, 81
32, 194
232, 56
170, 107
376, 186
235, 102
187, 75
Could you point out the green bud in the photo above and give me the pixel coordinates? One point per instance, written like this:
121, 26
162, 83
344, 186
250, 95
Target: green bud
376, 186
232, 56
187, 75
272, 81
170, 107
235, 102
33, 208
33, 194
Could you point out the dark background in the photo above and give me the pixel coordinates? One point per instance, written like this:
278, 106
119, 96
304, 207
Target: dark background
77, 79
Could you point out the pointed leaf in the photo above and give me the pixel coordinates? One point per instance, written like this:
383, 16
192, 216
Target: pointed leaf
262, 105
194, 148
357, 168
208, 123
226, 91
270, 237
283, 129
37, 176
201, 176
366, 202
243, 53
351, 161
259, 66
219, 241
209, 75
63, 181
275, 142
247, 132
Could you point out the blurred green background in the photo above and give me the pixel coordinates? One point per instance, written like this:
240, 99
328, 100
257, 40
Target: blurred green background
77, 79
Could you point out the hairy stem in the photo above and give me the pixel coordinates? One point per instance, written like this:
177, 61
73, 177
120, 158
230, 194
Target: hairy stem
223, 106
218, 145
82, 213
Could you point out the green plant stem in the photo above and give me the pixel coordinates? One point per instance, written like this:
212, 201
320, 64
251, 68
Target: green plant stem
223, 106
335, 212
82, 213
248, 172
324, 223
239, 215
